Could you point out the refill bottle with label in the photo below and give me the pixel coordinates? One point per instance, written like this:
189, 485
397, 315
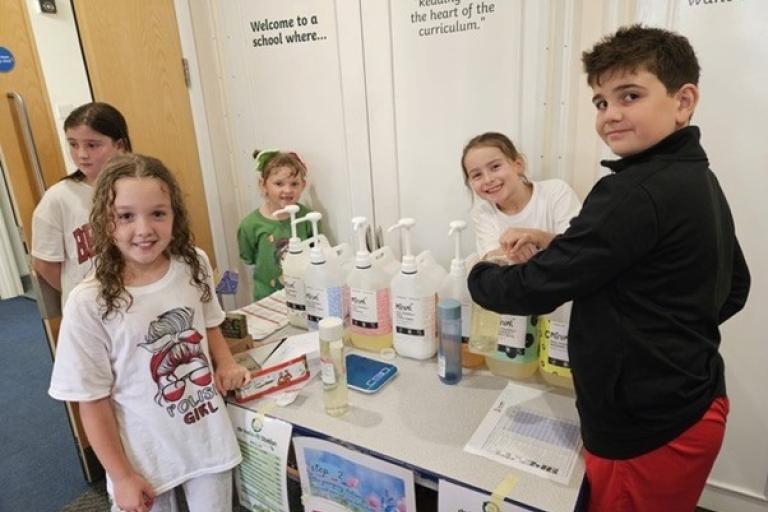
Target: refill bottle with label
370, 320
294, 265
333, 372
509, 342
414, 303
454, 286
449, 334
323, 283
517, 347
553, 347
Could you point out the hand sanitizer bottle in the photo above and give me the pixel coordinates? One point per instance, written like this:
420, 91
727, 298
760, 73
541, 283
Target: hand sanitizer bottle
323, 283
553, 347
333, 371
454, 286
294, 265
370, 326
414, 303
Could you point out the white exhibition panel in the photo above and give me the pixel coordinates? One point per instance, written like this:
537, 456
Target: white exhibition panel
457, 70
287, 93
382, 107
732, 116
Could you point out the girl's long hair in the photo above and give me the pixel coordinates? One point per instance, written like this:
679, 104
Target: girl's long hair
102, 118
110, 264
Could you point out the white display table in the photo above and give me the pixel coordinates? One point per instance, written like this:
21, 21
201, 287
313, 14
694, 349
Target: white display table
420, 423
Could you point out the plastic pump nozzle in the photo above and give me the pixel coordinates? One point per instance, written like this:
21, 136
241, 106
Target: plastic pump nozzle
316, 253
409, 262
294, 241
457, 264
363, 257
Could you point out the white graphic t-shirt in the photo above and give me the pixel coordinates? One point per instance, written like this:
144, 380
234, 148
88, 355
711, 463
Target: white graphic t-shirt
551, 208
153, 362
61, 231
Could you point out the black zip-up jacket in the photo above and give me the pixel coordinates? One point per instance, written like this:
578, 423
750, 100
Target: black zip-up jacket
653, 267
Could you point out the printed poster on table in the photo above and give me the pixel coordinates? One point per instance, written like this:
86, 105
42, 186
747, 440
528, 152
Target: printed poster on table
531, 430
260, 478
336, 479
456, 498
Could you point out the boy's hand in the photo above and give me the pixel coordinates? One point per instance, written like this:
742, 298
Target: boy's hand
133, 493
230, 376
523, 253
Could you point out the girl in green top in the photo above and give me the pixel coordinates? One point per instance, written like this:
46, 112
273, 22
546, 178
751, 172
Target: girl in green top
262, 238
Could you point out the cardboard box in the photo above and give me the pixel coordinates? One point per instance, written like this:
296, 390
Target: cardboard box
235, 326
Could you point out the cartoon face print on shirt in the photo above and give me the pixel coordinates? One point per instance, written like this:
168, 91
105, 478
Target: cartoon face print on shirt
177, 357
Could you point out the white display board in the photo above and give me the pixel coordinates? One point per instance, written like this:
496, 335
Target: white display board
284, 88
731, 115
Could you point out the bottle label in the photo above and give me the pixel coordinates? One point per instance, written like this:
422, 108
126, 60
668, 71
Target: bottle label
516, 339
323, 302
414, 317
466, 321
369, 311
441, 365
327, 372
294, 293
555, 336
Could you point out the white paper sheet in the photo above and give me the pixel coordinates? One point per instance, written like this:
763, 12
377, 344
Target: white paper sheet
260, 478
455, 498
531, 430
334, 478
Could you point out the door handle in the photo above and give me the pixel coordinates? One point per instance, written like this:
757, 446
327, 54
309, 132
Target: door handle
29, 139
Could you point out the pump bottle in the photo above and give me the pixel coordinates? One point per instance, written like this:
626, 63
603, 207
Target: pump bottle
294, 265
509, 342
370, 326
414, 303
454, 286
553, 347
323, 282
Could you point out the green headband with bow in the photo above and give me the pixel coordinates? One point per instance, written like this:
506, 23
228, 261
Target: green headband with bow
263, 158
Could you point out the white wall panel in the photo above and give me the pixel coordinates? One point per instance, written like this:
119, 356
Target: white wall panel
289, 95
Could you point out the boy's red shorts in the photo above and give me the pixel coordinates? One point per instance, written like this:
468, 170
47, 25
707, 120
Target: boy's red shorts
668, 479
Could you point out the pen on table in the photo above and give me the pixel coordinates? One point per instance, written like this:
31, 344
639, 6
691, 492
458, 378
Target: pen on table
277, 346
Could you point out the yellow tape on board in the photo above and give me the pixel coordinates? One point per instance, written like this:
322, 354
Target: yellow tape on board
502, 490
267, 408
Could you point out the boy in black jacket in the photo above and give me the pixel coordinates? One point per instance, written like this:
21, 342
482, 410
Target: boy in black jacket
653, 266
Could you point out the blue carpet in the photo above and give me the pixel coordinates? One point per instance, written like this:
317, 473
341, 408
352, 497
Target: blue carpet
39, 468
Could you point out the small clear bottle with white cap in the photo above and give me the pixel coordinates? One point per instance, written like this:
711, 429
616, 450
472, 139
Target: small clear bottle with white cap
333, 371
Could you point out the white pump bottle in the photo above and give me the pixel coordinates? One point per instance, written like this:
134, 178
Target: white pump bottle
294, 265
323, 282
370, 326
454, 286
414, 303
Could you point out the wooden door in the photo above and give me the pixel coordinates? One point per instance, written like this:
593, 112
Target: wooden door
25, 80
134, 61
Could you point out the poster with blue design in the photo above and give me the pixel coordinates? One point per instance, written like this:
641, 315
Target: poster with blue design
334, 478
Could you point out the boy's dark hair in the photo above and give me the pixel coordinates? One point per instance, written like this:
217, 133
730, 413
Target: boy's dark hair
666, 54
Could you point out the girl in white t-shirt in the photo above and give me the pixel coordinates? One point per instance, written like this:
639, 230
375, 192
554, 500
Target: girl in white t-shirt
140, 348
512, 215
61, 248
